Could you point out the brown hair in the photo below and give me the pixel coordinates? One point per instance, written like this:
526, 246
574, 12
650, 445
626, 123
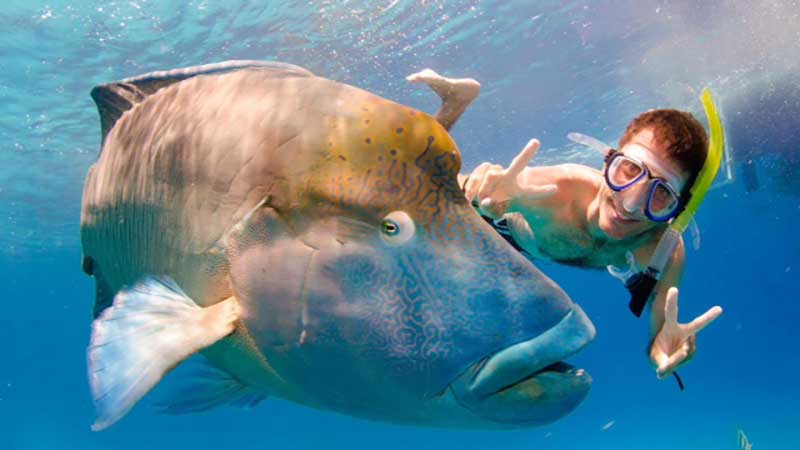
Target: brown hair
683, 136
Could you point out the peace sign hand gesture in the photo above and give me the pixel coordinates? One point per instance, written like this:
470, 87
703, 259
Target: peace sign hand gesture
493, 187
675, 344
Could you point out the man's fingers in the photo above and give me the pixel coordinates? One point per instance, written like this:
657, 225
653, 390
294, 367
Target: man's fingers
471, 188
691, 346
666, 367
493, 209
703, 320
488, 186
522, 160
671, 306
483, 183
485, 178
475, 179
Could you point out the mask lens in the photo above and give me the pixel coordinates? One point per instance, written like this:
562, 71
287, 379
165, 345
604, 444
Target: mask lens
663, 200
624, 171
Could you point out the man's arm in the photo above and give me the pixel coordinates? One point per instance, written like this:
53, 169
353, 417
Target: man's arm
671, 278
673, 343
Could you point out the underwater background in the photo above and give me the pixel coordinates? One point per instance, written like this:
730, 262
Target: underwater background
547, 68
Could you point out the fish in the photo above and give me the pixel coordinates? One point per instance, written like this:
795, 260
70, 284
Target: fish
309, 241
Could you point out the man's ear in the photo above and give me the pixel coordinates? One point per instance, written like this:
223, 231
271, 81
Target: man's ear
609, 153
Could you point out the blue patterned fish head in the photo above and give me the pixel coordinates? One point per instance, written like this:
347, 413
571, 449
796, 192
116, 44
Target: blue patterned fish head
404, 323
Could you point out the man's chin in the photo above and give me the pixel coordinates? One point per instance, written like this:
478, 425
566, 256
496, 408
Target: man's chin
615, 233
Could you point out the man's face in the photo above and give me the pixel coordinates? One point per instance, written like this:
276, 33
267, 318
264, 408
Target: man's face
622, 213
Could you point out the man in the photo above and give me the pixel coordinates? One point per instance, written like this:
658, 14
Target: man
578, 215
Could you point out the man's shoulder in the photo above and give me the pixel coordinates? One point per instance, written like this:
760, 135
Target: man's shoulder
577, 181
576, 185
578, 173
566, 173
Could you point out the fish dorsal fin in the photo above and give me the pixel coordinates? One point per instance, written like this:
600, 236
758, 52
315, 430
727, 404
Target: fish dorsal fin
114, 99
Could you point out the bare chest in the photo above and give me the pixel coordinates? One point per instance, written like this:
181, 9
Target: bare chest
563, 242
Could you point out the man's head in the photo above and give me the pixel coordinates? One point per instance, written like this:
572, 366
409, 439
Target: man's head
671, 146
678, 137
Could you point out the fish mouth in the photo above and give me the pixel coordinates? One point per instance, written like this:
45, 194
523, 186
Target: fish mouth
528, 383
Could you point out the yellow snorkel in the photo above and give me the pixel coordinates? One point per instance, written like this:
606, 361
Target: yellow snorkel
642, 285
710, 168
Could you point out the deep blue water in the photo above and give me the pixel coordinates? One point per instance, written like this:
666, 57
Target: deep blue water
547, 68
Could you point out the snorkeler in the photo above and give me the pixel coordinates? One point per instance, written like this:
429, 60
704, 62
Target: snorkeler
580, 216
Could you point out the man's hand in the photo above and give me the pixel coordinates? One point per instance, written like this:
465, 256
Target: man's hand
492, 187
675, 344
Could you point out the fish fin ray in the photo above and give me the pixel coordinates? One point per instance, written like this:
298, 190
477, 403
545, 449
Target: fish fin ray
210, 388
125, 364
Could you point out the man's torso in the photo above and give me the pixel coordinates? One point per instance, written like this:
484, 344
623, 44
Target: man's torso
559, 229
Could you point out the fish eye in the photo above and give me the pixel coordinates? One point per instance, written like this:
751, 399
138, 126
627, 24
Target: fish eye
390, 227
397, 228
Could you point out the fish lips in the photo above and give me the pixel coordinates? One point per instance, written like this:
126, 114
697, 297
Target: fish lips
528, 383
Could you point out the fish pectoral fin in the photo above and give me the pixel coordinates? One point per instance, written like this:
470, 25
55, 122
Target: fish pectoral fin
210, 387
149, 329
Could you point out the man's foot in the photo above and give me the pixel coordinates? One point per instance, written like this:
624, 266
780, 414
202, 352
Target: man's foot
459, 91
456, 94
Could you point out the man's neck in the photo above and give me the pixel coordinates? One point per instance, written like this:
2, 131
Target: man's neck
592, 220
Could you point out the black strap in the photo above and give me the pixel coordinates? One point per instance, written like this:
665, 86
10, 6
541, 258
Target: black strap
501, 226
641, 287
678, 379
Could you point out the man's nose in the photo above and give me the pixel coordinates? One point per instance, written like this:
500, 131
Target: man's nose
634, 199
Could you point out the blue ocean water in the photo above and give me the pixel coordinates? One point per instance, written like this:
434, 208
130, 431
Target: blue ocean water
547, 68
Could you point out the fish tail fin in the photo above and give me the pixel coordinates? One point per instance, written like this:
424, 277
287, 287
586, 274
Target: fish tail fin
149, 329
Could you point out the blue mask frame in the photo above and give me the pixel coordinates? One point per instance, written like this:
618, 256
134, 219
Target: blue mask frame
613, 154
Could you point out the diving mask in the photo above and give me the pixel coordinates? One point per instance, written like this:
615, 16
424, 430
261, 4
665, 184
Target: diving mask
631, 166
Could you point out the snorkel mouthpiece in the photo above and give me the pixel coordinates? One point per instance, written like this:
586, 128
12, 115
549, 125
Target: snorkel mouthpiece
642, 285
588, 141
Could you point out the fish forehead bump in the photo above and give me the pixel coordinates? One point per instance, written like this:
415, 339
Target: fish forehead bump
372, 124
383, 156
